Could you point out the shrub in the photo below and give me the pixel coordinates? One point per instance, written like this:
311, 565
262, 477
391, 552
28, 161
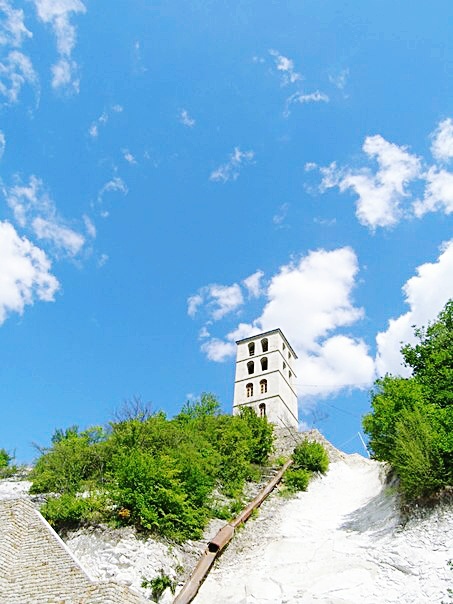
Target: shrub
310, 456
159, 584
297, 480
68, 510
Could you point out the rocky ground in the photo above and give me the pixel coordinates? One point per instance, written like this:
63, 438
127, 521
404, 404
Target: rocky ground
340, 542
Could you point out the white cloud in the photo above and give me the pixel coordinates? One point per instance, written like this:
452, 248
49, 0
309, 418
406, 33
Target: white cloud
231, 170
438, 193
63, 75
218, 350
12, 28
62, 237
24, 273
2, 144
385, 195
16, 71
34, 209
442, 145
57, 13
218, 300
426, 294
301, 98
185, 119
129, 157
379, 194
286, 68
310, 299
89, 226
103, 119
339, 80
279, 218
114, 184
253, 284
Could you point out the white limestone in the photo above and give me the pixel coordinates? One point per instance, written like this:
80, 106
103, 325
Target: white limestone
339, 543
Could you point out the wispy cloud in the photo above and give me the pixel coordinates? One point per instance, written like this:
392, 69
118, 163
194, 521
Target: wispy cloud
35, 211
16, 70
128, 156
13, 31
232, 168
115, 184
339, 79
186, 119
58, 13
25, 273
279, 218
301, 98
102, 120
285, 67
2, 144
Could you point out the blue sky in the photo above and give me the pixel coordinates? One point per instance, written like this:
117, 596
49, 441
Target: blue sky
175, 176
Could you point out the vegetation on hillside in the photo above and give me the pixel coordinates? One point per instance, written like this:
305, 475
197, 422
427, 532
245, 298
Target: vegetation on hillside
308, 457
411, 423
7, 468
161, 475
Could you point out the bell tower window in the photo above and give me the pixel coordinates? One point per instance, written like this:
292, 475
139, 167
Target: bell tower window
251, 367
249, 390
262, 409
264, 364
263, 386
251, 349
265, 344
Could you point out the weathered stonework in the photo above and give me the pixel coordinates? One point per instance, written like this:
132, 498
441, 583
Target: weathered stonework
36, 567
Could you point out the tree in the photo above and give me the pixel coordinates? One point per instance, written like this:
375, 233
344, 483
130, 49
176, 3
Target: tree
411, 423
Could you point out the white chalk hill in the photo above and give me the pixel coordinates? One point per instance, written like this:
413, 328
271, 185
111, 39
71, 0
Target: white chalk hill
338, 543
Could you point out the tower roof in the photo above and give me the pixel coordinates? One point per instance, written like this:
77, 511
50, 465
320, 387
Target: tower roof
267, 333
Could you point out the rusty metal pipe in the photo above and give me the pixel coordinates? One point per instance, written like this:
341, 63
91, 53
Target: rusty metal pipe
221, 539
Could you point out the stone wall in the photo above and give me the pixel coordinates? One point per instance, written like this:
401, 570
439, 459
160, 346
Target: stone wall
37, 568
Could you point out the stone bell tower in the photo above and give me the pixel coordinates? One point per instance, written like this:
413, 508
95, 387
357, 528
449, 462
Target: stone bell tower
265, 378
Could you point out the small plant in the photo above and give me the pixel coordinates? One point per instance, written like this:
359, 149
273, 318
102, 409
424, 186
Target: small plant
310, 456
158, 585
297, 480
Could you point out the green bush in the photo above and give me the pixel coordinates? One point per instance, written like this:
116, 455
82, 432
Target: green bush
159, 584
297, 480
152, 472
68, 510
311, 456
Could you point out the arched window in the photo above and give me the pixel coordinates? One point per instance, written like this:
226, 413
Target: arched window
284, 365
265, 344
290, 375
251, 349
284, 345
264, 364
262, 409
249, 389
251, 367
289, 355
263, 386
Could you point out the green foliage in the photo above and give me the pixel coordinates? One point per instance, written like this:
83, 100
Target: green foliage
154, 473
6, 467
297, 479
411, 423
159, 584
390, 396
68, 510
310, 456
